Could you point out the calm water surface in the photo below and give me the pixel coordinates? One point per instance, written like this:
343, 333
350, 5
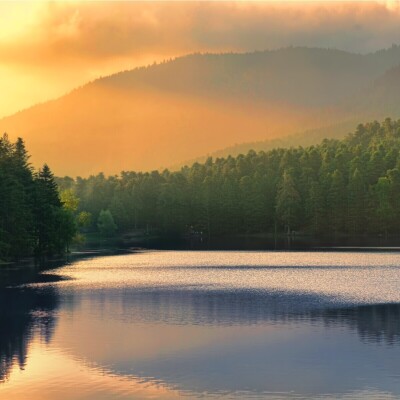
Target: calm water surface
212, 324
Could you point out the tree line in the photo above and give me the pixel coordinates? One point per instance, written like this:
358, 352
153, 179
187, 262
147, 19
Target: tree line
33, 220
349, 186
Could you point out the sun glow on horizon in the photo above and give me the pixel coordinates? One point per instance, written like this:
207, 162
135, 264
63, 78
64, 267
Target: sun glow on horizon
47, 48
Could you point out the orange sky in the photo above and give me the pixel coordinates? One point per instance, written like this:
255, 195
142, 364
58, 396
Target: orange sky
48, 48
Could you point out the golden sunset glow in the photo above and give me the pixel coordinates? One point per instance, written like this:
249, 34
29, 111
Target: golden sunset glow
49, 48
199, 200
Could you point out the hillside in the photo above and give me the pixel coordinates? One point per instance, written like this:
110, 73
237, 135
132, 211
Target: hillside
306, 138
348, 186
164, 114
383, 95
296, 75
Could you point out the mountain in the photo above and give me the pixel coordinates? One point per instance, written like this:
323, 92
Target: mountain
157, 116
296, 75
304, 139
383, 95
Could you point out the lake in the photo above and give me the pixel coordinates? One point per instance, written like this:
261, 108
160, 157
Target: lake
205, 324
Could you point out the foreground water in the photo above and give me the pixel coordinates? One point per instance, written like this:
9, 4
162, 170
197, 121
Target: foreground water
172, 324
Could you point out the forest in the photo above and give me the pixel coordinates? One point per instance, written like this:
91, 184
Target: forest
339, 187
349, 186
33, 219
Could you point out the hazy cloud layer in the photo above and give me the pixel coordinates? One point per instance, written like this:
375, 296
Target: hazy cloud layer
76, 41
101, 30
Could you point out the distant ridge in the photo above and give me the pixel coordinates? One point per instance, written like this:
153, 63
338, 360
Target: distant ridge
304, 139
161, 115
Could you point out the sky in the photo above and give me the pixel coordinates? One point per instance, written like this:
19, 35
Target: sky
49, 48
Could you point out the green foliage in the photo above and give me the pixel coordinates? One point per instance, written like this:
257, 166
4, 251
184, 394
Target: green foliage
83, 219
69, 200
339, 186
76, 221
384, 208
106, 224
288, 202
32, 219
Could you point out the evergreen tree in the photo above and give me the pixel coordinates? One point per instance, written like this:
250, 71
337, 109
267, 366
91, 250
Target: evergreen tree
47, 202
348, 186
384, 211
316, 208
356, 202
336, 202
288, 202
106, 224
32, 219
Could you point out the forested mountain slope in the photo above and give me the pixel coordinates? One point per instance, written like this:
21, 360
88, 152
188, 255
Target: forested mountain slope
179, 110
382, 96
306, 138
339, 186
296, 75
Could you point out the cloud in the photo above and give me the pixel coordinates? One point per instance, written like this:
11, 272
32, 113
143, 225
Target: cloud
58, 45
82, 32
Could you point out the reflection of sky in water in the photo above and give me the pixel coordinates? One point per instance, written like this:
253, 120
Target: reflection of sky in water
225, 324
373, 277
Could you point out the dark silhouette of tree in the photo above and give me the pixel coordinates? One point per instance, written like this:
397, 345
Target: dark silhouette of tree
32, 217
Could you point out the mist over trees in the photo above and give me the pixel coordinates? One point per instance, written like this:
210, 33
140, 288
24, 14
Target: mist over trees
227, 103
32, 217
349, 186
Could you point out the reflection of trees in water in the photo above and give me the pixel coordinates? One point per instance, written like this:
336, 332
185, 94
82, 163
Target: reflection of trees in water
29, 311
23, 312
374, 323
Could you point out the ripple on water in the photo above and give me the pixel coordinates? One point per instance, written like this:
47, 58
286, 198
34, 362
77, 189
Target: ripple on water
343, 277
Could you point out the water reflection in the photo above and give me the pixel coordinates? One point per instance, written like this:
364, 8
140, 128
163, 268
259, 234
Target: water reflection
24, 313
270, 242
209, 342
374, 323
120, 329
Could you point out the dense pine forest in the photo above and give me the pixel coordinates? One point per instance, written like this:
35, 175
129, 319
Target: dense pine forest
33, 220
349, 186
